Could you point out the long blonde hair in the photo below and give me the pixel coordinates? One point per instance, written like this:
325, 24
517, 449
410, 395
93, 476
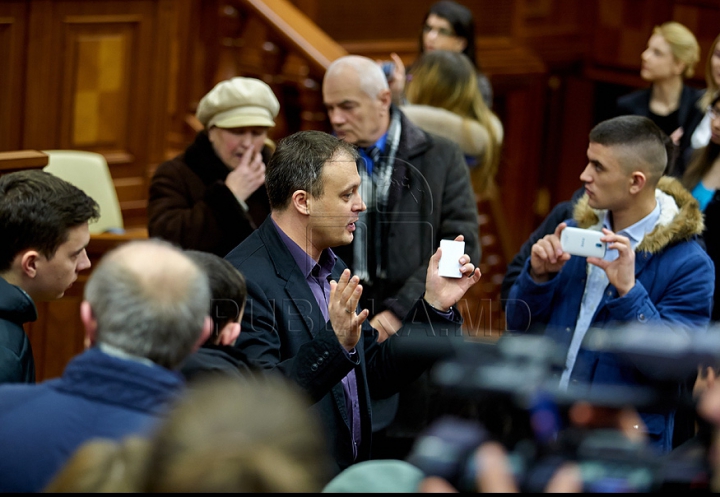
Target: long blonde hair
448, 80
712, 86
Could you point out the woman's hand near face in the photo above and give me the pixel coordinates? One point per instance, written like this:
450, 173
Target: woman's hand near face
248, 176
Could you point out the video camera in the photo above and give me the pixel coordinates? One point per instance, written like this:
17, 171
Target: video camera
520, 376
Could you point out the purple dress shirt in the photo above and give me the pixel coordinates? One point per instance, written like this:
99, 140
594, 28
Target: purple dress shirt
317, 274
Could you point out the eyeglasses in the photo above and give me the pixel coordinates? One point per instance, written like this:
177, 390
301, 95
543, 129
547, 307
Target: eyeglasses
440, 31
714, 113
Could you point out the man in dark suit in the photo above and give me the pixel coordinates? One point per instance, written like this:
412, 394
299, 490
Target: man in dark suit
302, 317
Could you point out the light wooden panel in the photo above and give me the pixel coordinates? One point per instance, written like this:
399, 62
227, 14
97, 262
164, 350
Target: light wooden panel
96, 86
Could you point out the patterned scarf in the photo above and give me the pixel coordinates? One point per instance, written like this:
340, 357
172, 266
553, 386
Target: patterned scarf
369, 258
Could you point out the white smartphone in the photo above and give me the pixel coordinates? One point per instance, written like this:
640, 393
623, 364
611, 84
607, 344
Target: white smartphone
450, 259
583, 243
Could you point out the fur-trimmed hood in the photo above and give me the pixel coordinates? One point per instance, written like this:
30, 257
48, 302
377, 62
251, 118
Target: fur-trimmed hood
680, 217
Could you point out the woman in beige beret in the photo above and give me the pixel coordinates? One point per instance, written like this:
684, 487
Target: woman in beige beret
212, 196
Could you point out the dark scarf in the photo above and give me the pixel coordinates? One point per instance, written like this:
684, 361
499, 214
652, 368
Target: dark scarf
200, 156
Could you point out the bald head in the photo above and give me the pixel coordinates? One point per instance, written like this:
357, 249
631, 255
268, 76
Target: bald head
161, 272
361, 71
149, 300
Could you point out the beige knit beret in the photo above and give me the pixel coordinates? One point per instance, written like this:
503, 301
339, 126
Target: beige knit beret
238, 102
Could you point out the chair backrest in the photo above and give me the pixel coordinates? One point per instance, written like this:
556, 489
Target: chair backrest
89, 172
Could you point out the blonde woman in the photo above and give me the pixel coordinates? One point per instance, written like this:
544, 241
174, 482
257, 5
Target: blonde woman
670, 57
443, 98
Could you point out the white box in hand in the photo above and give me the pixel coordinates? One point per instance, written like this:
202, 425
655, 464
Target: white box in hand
450, 258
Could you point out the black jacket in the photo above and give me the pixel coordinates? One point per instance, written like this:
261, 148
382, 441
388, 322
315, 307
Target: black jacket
283, 331
16, 358
216, 360
190, 205
711, 236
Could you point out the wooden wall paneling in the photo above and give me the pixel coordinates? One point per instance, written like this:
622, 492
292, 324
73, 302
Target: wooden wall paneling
13, 27
298, 31
99, 80
703, 19
43, 79
622, 29
575, 124
96, 84
382, 19
58, 335
19, 160
163, 36
521, 110
555, 29
185, 49
270, 40
163, 74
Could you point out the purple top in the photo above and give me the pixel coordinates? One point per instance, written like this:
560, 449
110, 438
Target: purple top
317, 275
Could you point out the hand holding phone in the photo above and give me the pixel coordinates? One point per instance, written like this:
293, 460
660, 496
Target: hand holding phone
583, 242
547, 255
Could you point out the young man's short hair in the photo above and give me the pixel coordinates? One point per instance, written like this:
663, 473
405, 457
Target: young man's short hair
227, 287
644, 137
37, 210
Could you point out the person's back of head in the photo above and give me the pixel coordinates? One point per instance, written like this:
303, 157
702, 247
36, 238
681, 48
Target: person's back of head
462, 21
227, 436
37, 211
640, 143
148, 299
103, 465
447, 80
297, 164
228, 291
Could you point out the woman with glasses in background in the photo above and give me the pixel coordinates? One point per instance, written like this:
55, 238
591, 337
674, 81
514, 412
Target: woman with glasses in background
446, 26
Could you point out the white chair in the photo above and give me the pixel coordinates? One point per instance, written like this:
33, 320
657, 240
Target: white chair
89, 172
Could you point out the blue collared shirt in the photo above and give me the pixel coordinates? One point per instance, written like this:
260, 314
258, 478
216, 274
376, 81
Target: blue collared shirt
597, 282
317, 275
369, 163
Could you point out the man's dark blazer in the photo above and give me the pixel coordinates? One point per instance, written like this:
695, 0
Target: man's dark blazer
284, 330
